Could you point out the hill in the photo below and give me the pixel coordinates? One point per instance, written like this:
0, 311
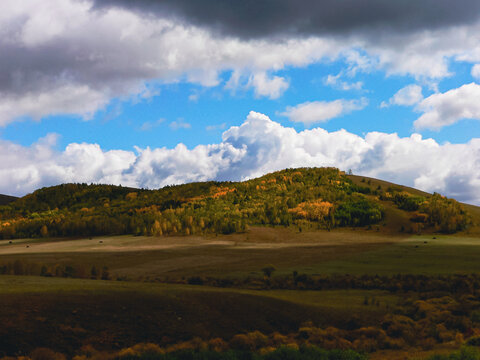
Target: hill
6, 199
303, 199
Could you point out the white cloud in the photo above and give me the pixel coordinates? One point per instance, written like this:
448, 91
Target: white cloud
256, 147
221, 126
447, 108
320, 111
106, 53
24, 169
149, 125
272, 87
194, 97
476, 71
66, 100
335, 81
407, 96
179, 124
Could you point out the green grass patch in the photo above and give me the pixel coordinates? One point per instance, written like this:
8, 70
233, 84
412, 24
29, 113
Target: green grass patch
415, 255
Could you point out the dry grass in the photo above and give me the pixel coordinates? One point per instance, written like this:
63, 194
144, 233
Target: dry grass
229, 255
241, 255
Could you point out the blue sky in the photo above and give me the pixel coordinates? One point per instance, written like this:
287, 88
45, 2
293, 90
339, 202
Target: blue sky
207, 111
101, 93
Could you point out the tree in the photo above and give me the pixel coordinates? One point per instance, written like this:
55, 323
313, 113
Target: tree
18, 267
268, 270
94, 273
105, 273
44, 231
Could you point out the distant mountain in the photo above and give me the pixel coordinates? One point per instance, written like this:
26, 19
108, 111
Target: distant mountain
6, 199
304, 198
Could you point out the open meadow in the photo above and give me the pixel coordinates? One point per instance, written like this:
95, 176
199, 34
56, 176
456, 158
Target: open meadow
154, 303
241, 255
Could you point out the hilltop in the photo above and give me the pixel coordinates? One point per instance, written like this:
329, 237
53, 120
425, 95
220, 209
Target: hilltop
303, 199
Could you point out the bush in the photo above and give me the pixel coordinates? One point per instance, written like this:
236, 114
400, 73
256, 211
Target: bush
46, 354
358, 212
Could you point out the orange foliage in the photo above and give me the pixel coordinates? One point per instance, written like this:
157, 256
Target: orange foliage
131, 196
221, 191
312, 210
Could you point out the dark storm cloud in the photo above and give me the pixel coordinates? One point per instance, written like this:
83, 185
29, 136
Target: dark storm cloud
261, 18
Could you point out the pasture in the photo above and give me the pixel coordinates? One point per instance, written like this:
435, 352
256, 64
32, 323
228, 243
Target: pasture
71, 313
242, 255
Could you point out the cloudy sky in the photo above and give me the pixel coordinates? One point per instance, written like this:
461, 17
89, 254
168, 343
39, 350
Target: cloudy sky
148, 93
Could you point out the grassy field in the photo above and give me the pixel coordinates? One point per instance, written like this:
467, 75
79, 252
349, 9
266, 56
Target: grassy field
70, 313
241, 255
230, 255
439, 254
37, 311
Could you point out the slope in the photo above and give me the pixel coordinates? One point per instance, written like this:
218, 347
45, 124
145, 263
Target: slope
302, 199
7, 199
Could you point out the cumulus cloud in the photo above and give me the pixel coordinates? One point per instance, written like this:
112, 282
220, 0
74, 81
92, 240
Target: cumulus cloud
443, 109
73, 57
24, 169
65, 100
254, 148
272, 87
407, 96
320, 111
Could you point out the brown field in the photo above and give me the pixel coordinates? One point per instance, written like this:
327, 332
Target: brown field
227, 255
70, 313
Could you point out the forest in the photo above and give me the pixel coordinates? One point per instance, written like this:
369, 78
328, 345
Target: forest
305, 198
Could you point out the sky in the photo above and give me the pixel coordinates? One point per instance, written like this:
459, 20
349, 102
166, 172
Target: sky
149, 93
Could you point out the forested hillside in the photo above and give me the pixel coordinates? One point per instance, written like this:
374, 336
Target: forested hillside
6, 199
306, 198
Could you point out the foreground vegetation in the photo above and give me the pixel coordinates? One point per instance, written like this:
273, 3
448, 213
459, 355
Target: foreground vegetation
308, 198
154, 352
69, 315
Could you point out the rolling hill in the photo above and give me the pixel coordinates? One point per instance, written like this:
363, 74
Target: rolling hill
303, 199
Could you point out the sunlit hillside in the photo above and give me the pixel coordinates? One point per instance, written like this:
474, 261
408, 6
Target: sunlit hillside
305, 199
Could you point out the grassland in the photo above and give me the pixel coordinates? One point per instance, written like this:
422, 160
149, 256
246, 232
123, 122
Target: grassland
70, 313
109, 314
241, 255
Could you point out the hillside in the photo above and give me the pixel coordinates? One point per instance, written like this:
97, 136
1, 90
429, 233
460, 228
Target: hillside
303, 199
6, 199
